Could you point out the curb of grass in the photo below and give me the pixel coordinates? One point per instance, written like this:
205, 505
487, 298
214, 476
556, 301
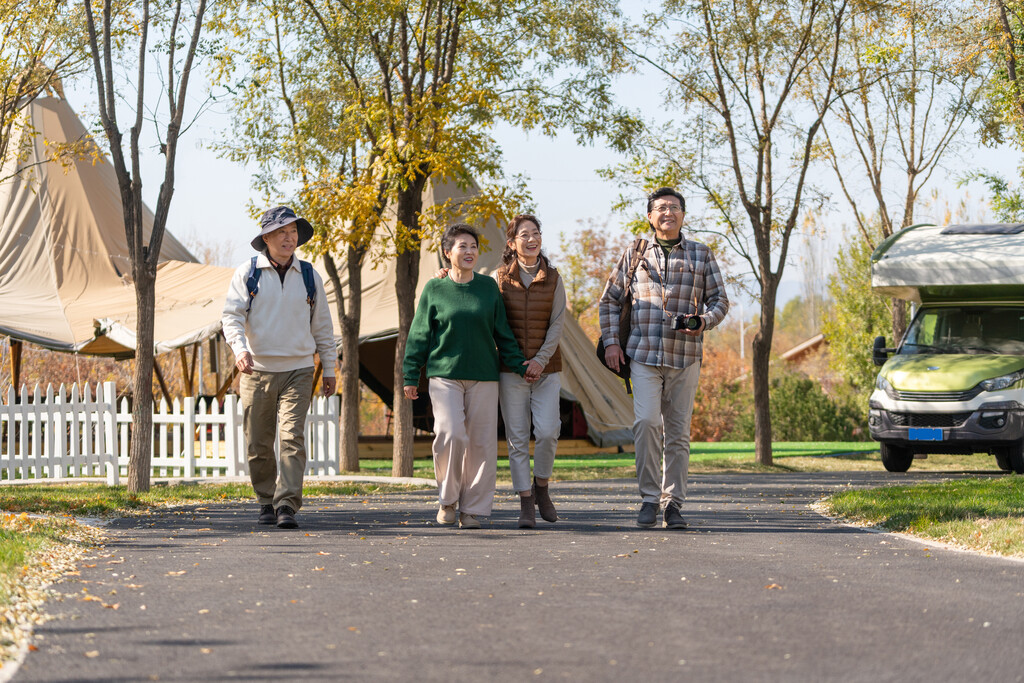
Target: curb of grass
820, 508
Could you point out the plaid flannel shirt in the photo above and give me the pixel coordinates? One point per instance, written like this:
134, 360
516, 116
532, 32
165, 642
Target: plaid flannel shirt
687, 282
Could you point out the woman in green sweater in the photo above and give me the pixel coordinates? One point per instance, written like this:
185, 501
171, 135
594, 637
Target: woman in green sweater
458, 333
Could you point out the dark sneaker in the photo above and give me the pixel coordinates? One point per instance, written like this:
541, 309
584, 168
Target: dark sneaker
648, 515
286, 518
267, 514
673, 520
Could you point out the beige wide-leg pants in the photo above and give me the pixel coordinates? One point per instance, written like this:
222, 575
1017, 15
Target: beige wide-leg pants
662, 407
273, 401
465, 442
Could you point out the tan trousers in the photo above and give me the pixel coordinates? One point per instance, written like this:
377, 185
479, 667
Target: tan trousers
273, 401
662, 407
465, 442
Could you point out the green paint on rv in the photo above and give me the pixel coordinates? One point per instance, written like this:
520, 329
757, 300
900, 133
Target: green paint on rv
968, 295
946, 372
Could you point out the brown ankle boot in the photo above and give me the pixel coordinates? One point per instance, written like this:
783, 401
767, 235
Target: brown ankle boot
527, 520
544, 504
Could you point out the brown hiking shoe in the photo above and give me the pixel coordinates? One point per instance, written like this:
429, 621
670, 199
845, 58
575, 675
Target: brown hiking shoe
527, 519
544, 504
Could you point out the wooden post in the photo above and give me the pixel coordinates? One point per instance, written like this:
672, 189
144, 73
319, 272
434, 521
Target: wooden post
316, 375
160, 379
227, 384
188, 369
15, 345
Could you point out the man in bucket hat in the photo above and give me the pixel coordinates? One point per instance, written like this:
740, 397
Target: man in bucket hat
275, 317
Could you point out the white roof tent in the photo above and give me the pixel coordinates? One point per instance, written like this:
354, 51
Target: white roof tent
929, 263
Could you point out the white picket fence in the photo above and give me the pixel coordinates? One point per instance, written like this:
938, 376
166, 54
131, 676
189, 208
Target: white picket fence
80, 434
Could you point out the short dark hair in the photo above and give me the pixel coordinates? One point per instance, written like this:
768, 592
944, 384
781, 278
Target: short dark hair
453, 231
509, 254
665, 192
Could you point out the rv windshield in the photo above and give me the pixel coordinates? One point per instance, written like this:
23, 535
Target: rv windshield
966, 329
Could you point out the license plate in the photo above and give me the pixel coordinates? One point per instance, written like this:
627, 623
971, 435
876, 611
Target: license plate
925, 434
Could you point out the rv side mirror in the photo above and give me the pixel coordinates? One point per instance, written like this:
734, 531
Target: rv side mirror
879, 354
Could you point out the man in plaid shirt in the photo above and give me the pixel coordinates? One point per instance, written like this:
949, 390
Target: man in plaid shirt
676, 277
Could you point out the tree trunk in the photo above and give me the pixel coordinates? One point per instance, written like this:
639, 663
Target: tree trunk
761, 356
349, 318
407, 270
407, 265
899, 320
142, 397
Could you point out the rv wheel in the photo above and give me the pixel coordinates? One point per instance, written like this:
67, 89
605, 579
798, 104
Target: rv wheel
896, 459
1014, 458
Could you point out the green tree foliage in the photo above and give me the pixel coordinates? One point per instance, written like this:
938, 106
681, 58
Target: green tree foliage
40, 44
1007, 202
1001, 29
858, 316
802, 411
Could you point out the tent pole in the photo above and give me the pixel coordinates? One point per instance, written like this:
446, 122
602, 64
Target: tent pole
227, 384
188, 369
316, 375
160, 379
15, 363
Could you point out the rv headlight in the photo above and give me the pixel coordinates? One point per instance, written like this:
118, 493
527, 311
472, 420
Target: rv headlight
1000, 383
883, 384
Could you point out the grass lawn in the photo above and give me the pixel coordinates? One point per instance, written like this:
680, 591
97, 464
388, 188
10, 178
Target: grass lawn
980, 514
723, 457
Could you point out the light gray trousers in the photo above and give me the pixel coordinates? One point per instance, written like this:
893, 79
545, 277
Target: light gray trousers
662, 407
522, 405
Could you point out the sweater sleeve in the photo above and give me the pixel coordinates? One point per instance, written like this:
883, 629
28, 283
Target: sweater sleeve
233, 316
418, 343
322, 328
508, 346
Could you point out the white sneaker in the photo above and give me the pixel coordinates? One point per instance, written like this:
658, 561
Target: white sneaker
446, 514
468, 521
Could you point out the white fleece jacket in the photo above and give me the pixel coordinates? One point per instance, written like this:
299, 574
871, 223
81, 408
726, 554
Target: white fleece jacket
278, 331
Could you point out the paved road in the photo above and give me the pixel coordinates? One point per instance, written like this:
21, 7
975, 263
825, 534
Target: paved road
760, 588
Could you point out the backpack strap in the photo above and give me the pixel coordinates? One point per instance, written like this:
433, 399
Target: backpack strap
252, 284
310, 282
639, 249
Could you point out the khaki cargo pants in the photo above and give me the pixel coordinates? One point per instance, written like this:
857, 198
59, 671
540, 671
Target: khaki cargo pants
273, 401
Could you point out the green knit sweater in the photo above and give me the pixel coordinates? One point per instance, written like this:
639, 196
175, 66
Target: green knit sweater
458, 332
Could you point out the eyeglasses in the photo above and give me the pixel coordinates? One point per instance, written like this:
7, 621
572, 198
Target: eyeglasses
666, 208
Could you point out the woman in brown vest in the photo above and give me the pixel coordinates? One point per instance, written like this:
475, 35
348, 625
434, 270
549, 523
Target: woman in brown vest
535, 306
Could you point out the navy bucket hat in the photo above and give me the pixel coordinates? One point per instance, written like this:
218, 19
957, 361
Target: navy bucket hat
278, 217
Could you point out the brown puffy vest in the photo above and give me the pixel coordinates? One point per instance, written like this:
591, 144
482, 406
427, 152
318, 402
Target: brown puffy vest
529, 309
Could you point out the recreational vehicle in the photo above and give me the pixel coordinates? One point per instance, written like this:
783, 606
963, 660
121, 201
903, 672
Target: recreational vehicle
955, 382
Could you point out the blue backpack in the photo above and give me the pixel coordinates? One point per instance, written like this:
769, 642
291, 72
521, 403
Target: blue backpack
253, 283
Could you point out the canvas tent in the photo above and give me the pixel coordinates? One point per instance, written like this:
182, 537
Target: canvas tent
596, 399
64, 267
953, 261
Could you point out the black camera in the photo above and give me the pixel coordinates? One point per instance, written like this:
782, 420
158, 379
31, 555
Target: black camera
686, 322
